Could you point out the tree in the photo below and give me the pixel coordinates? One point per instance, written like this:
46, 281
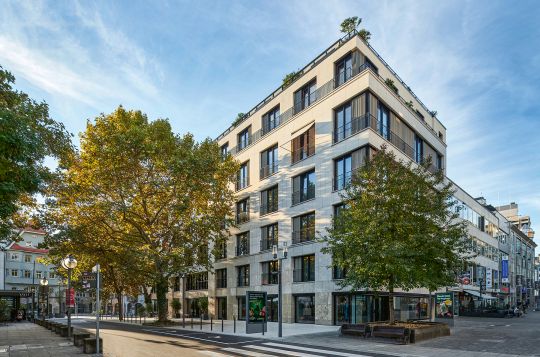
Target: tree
176, 305
398, 229
350, 24
290, 78
239, 118
159, 199
364, 35
27, 136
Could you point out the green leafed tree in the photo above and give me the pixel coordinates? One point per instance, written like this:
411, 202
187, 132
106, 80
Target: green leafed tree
156, 200
398, 229
350, 24
27, 137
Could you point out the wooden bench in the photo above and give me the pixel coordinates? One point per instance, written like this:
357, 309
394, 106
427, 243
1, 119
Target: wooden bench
402, 334
78, 338
89, 345
354, 329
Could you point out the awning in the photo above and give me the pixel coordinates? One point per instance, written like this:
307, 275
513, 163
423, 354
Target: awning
483, 296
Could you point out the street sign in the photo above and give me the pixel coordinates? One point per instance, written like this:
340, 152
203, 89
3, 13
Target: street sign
89, 280
70, 297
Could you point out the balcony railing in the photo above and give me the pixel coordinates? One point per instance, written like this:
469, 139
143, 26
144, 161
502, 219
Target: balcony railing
221, 283
269, 208
303, 235
242, 217
268, 243
243, 280
302, 153
303, 195
268, 170
342, 181
269, 278
242, 249
270, 125
302, 275
242, 183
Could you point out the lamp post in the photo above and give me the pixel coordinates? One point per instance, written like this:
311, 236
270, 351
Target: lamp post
44, 284
69, 263
275, 251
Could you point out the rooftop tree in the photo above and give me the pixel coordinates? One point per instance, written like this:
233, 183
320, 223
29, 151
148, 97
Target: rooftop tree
398, 229
158, 200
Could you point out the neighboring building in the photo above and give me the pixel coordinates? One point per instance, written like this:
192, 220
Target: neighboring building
511, 212
537, 282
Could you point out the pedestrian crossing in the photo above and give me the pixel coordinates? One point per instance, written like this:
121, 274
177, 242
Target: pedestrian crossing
280, 349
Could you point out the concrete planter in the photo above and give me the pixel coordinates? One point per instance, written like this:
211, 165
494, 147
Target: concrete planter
433, 330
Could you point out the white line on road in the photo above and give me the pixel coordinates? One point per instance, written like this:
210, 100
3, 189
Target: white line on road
281, 351
244, 352
213, 354
199, 338
307, 349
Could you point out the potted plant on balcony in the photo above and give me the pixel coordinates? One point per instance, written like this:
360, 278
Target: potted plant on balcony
176, 306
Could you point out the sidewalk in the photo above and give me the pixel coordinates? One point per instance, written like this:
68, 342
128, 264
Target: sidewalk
20, 339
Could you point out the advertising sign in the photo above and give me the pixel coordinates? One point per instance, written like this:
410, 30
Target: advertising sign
465, 278
444, 303
70, 297
504, 269
489, 278
256, 311
89, 280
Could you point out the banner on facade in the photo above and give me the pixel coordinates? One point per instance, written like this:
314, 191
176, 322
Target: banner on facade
465, 278
70, 297
489, 278
444, 305
256, 312
504, 269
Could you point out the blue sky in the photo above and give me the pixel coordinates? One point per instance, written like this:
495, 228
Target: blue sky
199, 63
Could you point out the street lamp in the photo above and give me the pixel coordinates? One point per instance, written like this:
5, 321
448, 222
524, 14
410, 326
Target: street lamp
69, 263
275, 250
44, 282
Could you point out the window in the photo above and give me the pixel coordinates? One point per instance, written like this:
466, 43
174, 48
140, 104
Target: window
269, 236
303, 187
342, 172
39, 274
197, 281
269, 272
29, 244
224, 150
418, 148
243, 275
269, 200
176, 283
221, 251
27, 258
338, 273
370, 64
14, 256
305, 96
304, 306
27, 274
270, 120
242, 244
303, 146
383, 121
14, 273
344, 70
241, 307
303, 228
52, 275
242, 179
242, 211
244, 138
304, 268
221, 278
439, 162
269, 162
343, 122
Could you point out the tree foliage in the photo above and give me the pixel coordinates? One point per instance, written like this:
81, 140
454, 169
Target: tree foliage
290, 78
350, 24
27, 137
398, 228
145, 203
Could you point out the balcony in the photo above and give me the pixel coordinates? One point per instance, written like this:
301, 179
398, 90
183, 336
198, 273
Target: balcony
303, 195
268, 170
242, 183
267, 244
303, 235
269, 208
242, 249
270, 125
242, 217
269, 278
302, 153
302, 275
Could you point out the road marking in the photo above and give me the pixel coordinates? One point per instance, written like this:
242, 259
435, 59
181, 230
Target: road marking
200, 338
281, 351
307, 349
244, 352
213, 354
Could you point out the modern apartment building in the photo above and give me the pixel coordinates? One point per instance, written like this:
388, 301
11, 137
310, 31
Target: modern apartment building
297, 149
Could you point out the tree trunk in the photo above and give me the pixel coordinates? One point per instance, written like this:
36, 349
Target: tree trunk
391, 317
120, 303
162, 287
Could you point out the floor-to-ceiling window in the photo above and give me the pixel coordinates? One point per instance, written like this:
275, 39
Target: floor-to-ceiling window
304, 308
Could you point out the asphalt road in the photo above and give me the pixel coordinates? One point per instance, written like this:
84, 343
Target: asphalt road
136, 340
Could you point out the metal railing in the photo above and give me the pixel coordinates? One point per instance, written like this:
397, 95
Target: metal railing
243, 280
303, 195
268, 170
341, 182
269, 208
269, 278
242, 249
303, 235
302, 153
242, 183
268, 243
303, 275
221, 283
242, 217
270, 125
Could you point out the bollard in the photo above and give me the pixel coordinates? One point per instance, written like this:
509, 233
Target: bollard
201, 321
183, 321
234, 321
211, 323
221, 323
192, 322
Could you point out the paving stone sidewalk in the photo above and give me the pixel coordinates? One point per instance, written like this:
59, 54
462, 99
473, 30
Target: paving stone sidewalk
20, 339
